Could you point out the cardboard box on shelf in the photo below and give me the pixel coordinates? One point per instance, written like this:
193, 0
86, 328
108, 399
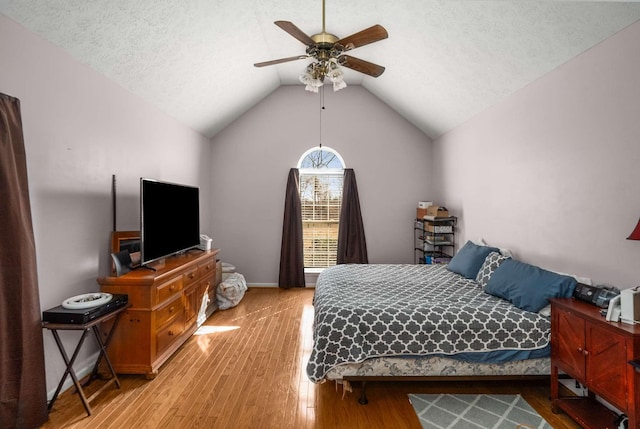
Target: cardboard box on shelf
437, 211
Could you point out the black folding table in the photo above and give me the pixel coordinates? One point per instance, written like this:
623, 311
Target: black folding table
92, 326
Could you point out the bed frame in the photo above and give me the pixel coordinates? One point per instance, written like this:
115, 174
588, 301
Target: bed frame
363, 380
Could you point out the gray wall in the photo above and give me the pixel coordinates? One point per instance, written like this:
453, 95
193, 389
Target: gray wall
252, 157
552, 171
79, 129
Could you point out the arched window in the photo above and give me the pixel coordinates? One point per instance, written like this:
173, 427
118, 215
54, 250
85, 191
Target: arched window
321, 178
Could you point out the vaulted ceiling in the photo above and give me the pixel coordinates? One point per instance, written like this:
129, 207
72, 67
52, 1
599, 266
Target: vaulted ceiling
445, 60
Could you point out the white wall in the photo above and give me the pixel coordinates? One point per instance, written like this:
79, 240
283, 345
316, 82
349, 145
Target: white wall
552, 171
79, 129
251, 160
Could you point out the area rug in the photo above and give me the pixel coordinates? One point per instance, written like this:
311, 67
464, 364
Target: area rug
443, 411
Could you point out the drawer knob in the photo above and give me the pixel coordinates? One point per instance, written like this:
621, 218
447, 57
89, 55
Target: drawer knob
172, 288
171, 309
580, 350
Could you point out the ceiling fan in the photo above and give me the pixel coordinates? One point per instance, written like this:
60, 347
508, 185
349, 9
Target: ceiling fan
328, 51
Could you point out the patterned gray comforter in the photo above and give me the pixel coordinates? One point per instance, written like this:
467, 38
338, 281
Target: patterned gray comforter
365, 311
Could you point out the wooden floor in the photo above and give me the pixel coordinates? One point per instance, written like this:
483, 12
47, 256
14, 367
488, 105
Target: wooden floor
246, 369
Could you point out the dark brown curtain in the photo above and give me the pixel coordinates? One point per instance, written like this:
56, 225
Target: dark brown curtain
23, 396
291, 251
352, 246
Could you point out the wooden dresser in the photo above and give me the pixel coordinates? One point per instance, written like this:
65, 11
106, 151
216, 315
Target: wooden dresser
164, 308
596, 353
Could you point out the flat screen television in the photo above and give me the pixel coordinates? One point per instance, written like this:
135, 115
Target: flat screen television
169, 219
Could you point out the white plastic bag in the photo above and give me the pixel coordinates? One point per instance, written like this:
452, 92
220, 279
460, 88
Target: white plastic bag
231, 291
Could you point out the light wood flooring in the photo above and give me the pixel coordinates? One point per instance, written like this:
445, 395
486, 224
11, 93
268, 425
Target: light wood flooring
246, 369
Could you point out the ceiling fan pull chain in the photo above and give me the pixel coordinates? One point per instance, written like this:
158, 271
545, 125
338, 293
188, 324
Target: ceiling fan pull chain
321, 109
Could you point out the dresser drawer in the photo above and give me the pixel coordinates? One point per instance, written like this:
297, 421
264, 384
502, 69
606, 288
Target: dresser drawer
170, 334
190, 276
169, 311
207, 268
166, 290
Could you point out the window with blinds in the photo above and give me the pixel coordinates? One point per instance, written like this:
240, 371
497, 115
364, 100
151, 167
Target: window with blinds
321, 197
321, 179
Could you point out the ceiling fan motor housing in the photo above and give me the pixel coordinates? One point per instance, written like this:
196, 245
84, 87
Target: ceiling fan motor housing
325, 47
324, 38
328, 50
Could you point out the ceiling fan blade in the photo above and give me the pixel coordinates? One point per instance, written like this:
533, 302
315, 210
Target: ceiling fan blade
361, 66
281, 60
364, 37
290, 28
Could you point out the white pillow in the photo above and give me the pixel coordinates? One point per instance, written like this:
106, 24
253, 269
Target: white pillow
583, 280
545, 311
503, 251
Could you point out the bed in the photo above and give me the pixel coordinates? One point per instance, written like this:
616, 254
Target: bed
378, 321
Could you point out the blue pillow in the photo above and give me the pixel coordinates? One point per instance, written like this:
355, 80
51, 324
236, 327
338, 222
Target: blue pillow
528, 287
468, 261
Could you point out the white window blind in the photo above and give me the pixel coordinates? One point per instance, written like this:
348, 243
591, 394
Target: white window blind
321, 197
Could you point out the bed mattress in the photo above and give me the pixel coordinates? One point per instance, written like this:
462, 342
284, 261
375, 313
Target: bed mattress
364, 312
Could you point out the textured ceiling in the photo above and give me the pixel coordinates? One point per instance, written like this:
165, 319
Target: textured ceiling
445, 60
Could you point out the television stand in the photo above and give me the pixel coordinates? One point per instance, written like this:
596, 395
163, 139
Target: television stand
144, 267
164, 309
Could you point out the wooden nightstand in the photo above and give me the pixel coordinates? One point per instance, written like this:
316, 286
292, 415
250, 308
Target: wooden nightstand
597, 354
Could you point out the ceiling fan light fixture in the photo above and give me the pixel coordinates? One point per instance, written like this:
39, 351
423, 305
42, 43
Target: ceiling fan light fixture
339, 84
315, 73
313, 77
327, 52
336, 76
313, 87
